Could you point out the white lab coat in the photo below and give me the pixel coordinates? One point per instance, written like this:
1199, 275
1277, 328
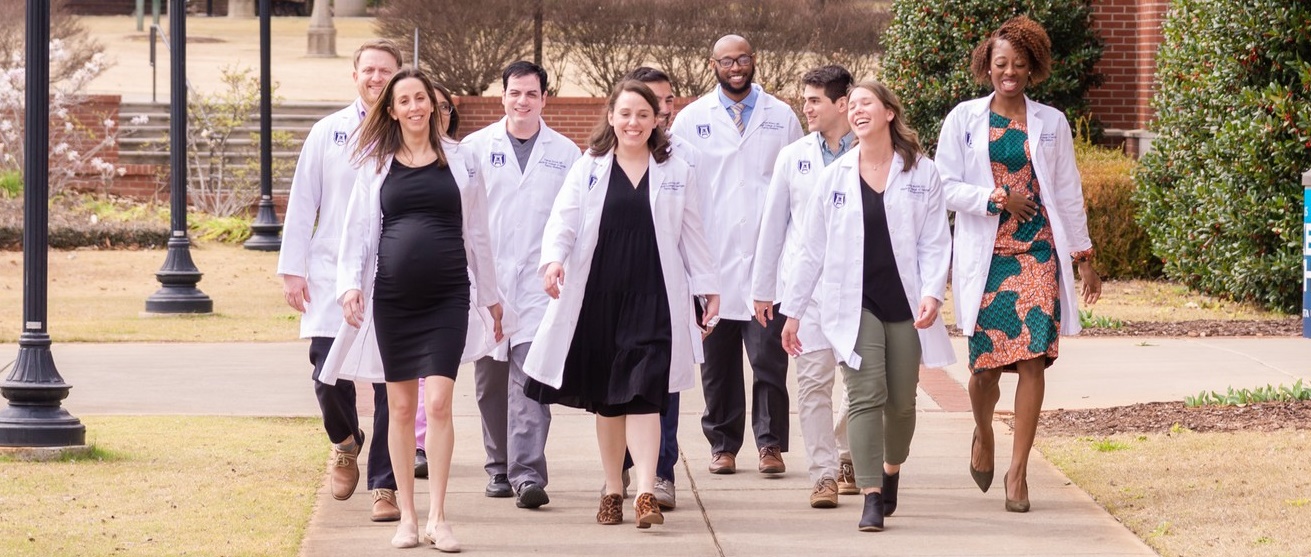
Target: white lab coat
735, 170
354, 355
571, 237
792, 187
833, 253
966, 170
320, 189
519, 203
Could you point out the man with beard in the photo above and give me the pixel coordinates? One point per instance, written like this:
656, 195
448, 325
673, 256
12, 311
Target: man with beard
739, 130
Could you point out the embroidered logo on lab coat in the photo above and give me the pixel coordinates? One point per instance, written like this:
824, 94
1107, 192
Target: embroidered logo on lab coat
498, 159
339, 138
803, 167
703, 130
591, 181
839, 199
968, 140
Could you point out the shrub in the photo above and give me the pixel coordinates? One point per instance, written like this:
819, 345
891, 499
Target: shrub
72, 225
11, 184
1123, 248
928, 55
1220, 189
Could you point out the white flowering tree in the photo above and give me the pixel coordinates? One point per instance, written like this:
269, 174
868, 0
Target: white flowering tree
77, 146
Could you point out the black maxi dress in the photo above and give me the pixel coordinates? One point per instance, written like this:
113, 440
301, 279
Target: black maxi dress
618, 360
421, 290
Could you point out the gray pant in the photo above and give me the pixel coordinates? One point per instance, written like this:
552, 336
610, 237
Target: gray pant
882, 395
514, 426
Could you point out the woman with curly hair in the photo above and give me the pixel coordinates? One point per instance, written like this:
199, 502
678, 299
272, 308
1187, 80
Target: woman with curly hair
1008, 171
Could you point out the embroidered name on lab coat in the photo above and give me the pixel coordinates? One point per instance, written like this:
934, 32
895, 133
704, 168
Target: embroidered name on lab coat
554, 165
1047, 139
671, 186
917, 191
498, 159
771, 126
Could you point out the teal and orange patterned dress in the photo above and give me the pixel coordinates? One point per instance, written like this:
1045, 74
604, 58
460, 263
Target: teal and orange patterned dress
1020, 315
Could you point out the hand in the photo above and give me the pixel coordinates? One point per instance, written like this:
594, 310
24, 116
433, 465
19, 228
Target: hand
710, 317
1021, 206
764, 312
497, 314
928, 312
352, 307
553, 279
296, 291
1092, 284
791, 344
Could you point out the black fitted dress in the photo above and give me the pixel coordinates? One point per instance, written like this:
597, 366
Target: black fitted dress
618, 360
421, 290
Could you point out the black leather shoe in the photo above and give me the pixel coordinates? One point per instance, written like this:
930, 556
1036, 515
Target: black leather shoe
890, 492
530, 496
871, 519
498, 486
420, 464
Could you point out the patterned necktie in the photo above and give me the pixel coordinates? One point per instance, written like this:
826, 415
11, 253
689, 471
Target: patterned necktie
736, 109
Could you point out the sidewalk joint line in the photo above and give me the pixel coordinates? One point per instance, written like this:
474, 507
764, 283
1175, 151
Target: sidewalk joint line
719, 550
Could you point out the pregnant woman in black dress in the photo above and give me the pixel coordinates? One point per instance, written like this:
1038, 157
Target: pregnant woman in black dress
428, 215
620, 336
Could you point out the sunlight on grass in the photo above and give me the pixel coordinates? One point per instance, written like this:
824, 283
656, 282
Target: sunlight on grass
1189, 493
168, 486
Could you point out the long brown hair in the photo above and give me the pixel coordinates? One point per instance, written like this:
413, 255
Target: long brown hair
603, 138
380, 133
904, 139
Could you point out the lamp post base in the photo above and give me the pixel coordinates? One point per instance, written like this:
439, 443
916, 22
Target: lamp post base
34, 417
178, 278
264, 231
322, 42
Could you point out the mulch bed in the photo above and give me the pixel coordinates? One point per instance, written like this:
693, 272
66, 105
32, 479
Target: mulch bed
1160, 417
1287, 327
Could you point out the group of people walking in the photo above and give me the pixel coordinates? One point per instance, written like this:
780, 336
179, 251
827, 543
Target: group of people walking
598, 279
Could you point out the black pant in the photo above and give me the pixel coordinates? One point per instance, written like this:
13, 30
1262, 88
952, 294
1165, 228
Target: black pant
341, 420
724, 385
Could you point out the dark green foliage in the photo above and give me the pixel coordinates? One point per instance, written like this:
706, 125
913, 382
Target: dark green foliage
928, 55
1221, 191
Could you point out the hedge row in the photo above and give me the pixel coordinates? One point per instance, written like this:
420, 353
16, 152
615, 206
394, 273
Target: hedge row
71, 228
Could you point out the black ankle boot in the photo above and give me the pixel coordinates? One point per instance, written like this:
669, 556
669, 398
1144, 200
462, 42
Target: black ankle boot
890, 492
871, 519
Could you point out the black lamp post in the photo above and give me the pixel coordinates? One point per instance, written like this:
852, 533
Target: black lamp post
179, 275
266, 228
34, 389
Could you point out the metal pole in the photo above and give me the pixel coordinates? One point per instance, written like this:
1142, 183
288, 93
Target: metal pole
178, 276
538, 16
154, 71
34, 416
154, 11
265, 229
415, 60
140, 13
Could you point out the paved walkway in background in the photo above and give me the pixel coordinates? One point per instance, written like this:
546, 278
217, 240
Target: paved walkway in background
746, 514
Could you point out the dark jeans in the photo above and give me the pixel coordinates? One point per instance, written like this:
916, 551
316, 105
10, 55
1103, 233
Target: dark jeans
341, 420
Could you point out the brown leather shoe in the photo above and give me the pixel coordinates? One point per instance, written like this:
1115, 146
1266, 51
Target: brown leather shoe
771, 461
344, 470
384, 506
723, 463
612, 509
648, 511
847, 479
825, 494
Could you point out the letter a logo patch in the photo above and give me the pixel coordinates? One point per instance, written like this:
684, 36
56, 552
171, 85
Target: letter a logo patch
703, 130
498, 159
803, 167
839, 199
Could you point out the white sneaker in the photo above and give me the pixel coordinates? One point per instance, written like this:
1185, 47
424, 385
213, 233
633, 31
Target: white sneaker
664, 493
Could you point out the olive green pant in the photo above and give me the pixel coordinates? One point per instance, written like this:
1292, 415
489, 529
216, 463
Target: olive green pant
882, 391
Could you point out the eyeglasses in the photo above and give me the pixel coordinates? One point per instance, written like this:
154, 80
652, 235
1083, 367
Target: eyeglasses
445, 108
743, 60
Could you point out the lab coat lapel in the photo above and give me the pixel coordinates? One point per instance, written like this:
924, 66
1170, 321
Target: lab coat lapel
977, 140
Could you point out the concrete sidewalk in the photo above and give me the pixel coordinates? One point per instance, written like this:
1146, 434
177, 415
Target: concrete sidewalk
941, 512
